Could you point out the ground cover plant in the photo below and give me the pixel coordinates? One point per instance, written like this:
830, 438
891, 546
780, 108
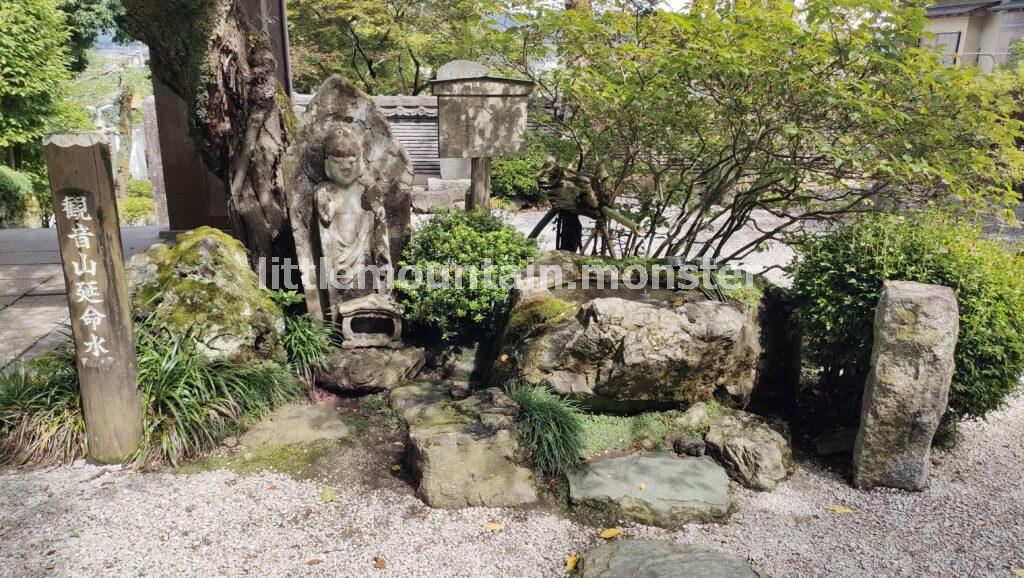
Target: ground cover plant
549, 426
466, 244
190, 402
838, 283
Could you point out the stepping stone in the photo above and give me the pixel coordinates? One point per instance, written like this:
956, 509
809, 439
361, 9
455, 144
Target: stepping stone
662, 559
659, 489
297, 423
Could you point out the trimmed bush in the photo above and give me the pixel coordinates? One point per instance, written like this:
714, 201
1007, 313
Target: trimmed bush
136, 211
15, 193
464, 245
838, 283
140, 189
549, 426
191, 402
516, 177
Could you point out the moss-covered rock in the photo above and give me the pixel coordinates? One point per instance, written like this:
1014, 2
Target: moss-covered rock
205, 281
536, 315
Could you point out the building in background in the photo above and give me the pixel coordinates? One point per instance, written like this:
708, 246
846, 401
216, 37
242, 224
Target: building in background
975, 33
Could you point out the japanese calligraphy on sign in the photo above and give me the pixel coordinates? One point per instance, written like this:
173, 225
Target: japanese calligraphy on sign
89, 236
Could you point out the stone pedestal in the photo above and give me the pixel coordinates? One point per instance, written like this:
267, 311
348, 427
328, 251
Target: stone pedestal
916, 328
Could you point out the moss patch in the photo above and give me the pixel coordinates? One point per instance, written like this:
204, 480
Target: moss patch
292, 460
535, 316
604, 434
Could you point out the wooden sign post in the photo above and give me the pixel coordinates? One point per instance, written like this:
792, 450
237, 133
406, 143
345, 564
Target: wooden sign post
84, 204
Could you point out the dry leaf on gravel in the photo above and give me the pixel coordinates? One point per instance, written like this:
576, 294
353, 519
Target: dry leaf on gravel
843, 510
610, 533
1019, 572
396, 468
313, 562
494, 526
328, 495
379, 563
570, 562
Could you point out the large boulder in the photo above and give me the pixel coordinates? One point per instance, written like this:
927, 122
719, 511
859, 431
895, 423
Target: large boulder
205, 282
464, 453
754, 453
629, 349
659, 489
916, 329
661, 559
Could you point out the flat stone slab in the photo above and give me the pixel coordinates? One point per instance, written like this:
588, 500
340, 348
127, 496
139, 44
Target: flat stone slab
660, 489
662, 559
297, 423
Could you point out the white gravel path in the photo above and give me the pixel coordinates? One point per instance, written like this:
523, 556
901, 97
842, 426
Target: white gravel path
970, 522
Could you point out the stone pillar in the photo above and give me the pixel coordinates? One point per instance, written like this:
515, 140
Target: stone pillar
916, 329
85, 208
154, 160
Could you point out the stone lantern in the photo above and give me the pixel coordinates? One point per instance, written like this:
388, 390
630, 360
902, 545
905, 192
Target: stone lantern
479, 118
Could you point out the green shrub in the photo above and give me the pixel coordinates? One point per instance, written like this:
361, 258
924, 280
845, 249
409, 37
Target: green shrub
136, 211
464, 245
190, 402
549, 426
140, 189
838, 283
516, 177
15, 193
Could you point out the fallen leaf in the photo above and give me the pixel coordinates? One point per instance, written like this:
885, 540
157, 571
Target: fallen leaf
641, 485
396, 468
328, 495
610, 533
493, 526
503, 358
273, 487
313, 562
379, 563
570, 562
398, 444
76, 534
1019, 572
843, 510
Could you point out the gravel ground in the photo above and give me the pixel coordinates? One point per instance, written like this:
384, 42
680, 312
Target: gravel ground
67, 521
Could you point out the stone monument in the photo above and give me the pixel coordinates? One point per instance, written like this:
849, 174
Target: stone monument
349, 185
916, 327
458, 169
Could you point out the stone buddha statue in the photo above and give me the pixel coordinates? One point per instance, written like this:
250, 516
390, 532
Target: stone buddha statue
351, 218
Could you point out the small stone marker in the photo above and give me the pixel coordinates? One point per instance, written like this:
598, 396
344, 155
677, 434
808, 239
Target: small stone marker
916, 328
90, 247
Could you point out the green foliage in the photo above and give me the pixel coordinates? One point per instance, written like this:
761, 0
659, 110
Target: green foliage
86, 19
516, 177
41, 418
610, 433
100, 83
190, 401
285, 299
549, 426
838, 284
140, 189
797, 108
383, 47
461, 246
33, 70
306, 343
136, 211
1016, 56
15, 193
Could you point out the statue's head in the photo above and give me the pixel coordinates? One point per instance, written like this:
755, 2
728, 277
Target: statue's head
343, 156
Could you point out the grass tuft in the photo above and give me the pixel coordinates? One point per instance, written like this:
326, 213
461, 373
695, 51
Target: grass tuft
549, 426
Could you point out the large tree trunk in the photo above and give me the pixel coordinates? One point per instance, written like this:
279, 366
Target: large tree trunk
213, 57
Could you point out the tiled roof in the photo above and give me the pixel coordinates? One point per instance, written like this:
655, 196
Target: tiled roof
958, 9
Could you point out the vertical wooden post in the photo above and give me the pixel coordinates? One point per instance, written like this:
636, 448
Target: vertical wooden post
85, 208
479, 195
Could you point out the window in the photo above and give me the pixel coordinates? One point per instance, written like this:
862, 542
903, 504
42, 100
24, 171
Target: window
944, 43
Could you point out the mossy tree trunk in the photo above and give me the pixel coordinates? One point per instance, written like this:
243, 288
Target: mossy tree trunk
217, 60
